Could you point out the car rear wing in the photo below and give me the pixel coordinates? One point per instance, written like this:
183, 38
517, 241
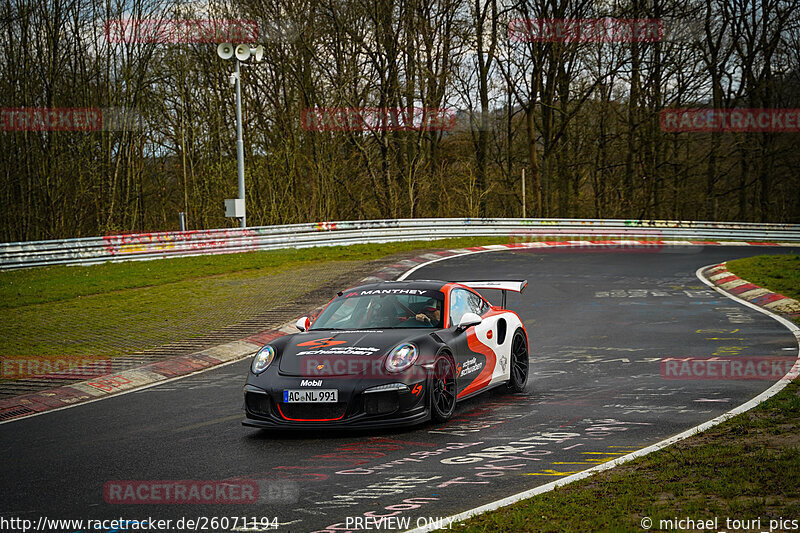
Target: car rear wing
504, 286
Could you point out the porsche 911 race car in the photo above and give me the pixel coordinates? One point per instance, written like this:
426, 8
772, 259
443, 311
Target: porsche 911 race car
389, 354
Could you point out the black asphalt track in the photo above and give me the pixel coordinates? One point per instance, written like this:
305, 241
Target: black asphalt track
599, 324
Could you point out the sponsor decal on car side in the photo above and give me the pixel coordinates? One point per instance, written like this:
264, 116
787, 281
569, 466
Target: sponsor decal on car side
470, 366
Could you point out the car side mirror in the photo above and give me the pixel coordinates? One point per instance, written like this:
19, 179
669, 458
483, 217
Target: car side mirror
469, 319
302, 323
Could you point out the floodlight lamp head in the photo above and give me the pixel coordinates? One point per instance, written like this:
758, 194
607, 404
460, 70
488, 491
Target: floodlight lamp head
225, 50
243, 52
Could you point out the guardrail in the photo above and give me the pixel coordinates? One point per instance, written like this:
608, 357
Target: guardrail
142, 246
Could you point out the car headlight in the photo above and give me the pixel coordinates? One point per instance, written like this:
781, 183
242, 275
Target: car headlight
262, 359
401, 358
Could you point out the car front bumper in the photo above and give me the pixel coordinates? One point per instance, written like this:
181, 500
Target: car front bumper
362, 404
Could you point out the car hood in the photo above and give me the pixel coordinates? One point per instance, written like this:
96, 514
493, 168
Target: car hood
325, 353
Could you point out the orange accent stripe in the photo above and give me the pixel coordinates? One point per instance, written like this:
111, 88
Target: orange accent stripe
482, 379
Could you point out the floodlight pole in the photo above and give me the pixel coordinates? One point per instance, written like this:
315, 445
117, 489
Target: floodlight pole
240, 144
242, 53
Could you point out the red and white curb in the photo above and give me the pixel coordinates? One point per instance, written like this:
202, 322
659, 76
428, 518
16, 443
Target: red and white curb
20, 407
100, 388
725, 280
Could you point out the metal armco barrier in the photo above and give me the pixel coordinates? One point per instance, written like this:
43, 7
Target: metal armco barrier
141, 246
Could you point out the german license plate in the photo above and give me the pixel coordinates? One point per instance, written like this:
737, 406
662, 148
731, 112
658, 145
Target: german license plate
311, 396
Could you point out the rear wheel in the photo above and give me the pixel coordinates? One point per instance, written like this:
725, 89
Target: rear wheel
519, 363
443, 389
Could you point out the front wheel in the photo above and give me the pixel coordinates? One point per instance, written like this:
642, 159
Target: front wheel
443, 390
519, 363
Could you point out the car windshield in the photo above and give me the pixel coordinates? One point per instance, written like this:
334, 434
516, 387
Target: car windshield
382, 309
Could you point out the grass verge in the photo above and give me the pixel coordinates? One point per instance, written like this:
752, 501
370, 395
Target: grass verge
747, 468
118, 308
19, 288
